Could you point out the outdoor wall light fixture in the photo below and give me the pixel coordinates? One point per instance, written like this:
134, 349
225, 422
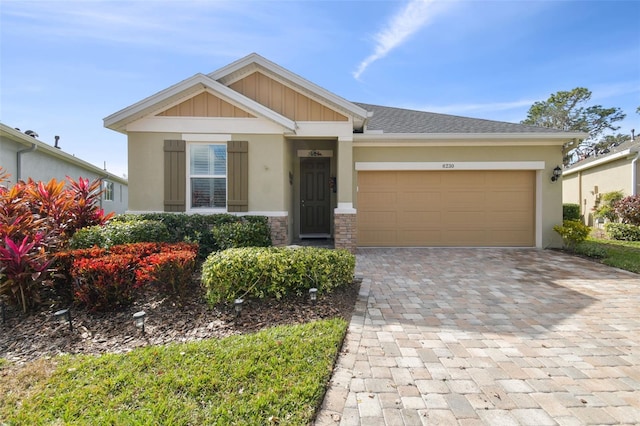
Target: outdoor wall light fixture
138, 319
557, 172
64, 315
313, 295
237, 305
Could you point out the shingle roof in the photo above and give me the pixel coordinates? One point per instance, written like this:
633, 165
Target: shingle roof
398, 120
619, 148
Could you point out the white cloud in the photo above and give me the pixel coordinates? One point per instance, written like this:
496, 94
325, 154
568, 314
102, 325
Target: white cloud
404, 24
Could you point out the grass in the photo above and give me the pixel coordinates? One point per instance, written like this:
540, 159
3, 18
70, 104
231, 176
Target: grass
275, 376
621, 254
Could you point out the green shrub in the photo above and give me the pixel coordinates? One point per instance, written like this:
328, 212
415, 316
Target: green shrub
606, 208
117, 233
573, 232
586, 248
571, 211
242, 234
200, 229
622, 231
274, 272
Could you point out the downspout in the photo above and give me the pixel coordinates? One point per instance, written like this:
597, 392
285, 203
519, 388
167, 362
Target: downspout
634, 174
19, 160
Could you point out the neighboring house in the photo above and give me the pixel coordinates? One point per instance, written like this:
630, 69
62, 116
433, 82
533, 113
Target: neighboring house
255, 138
618, 170
24, 157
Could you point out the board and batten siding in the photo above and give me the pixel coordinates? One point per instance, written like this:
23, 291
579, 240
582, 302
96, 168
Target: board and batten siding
205, 105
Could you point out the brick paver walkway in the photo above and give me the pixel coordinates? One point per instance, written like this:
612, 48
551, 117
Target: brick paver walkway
488, 336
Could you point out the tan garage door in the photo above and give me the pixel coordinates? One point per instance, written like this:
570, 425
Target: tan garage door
446, 208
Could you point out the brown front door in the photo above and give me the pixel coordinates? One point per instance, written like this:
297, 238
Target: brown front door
314, 197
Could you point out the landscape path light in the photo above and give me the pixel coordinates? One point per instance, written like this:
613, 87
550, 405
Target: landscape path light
138, 318
313, 295
237, 305
64, 315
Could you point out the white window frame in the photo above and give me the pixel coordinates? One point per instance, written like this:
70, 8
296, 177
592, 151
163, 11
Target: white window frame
189, 176
108, 189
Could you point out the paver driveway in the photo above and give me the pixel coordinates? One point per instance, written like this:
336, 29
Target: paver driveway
488, 336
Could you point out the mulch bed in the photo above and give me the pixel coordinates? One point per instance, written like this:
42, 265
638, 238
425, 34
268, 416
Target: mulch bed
182, 318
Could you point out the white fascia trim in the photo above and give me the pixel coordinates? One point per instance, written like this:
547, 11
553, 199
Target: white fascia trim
450, 165
288, 75
216, 89
205, 124
603, 160
550, 138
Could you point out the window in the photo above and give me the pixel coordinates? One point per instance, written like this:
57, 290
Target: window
107, 193
208, 176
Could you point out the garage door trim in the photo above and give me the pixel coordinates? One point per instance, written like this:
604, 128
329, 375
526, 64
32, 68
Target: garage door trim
450, 165
538, 166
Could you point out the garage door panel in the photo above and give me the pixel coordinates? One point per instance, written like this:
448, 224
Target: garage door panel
420, 219
379, 219
418, 179
446, 208
501, 200
418, 200
413, 237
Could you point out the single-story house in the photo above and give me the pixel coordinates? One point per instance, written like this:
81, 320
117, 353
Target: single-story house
255, 138
585, 181
23, 157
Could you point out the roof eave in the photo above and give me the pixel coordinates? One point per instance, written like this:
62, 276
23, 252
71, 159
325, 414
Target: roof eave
560, 136
603, 160
58, 153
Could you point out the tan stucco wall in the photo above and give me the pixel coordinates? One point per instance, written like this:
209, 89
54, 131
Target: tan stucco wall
551, 205
146, 170
580, 187
267, 172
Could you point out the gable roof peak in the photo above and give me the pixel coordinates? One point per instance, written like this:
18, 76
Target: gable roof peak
254, 61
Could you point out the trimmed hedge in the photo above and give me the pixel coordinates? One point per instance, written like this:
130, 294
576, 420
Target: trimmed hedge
200, 228
622, 231
242, 234
274, 272
571, 211
117, 233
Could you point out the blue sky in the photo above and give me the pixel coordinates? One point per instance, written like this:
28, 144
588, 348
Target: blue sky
64, 66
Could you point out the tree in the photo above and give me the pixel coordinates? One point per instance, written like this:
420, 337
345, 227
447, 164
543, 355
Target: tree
566, 110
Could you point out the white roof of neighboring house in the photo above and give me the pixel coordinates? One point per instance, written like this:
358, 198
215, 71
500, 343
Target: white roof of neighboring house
24, 139
630, 147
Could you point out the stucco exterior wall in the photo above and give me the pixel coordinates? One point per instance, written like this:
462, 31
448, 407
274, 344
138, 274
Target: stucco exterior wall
550, 208
146, 170
585, 187
267, 172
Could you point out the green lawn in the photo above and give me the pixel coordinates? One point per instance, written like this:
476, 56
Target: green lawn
275, 376
621, 254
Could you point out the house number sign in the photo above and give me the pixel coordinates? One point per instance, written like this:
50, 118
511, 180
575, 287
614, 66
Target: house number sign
448, 165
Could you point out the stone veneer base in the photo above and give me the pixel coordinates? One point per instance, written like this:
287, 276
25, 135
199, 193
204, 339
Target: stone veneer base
345, 231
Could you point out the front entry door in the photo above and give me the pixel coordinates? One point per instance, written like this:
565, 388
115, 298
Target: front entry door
315, 197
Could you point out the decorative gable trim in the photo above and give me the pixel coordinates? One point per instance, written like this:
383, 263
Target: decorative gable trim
192, 86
